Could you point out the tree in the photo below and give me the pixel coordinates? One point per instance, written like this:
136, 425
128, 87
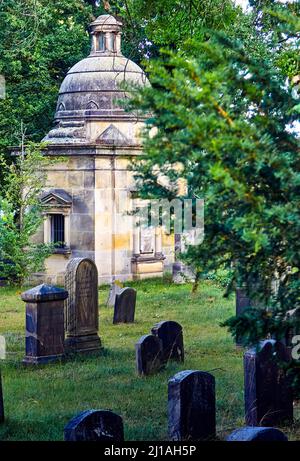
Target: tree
21, 215
39, 42
228, 118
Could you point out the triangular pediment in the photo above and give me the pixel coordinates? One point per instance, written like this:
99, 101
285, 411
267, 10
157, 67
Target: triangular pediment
56, 198
112, 135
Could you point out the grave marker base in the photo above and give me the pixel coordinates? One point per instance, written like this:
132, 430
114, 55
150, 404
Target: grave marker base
42, 360
83, 344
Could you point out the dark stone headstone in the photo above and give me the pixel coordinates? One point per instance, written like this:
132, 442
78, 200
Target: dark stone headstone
81, 308
44, 324
95, 425
125, 306
1, 402
171, 336
257, 434
148, 355
268, 397
192, 406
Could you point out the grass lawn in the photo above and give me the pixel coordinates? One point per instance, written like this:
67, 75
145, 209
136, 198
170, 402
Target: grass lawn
40, 401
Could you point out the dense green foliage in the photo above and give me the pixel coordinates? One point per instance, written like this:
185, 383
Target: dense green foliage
227, 115
21, 215
39, 41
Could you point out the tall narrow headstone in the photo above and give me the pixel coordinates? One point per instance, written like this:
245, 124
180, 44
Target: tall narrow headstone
148, 355
81, 307
44, 324
115, 289
192, 406
1, 402
268, 397
171, 336
257, 434
95, 425
125, 306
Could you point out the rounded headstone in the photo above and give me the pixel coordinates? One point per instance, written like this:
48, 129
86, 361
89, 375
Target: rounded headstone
257, 434
268, 396
171, 336
81, 307
192, 406
95, 425
148, 355
125, 306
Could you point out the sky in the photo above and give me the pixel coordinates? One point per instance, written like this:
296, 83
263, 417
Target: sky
244, 3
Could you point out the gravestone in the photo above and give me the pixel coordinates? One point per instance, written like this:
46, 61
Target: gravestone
257, 434
191, 406
268, 398
2, 347
115, 288
81, 307
1, 402
44, 324
125, 306
148, 355
95, 425
171, 336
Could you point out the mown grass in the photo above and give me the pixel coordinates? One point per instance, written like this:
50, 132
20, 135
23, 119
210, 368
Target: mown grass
40, 401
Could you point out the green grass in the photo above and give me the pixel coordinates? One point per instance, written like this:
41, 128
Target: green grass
40, 401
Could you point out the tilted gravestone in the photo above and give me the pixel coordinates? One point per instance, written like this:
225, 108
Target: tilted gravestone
171, 336
81, 307
95, 425
125, 306
257, 434
192, 406
268, 397
148, 355
115, 289
1, 402
44, 324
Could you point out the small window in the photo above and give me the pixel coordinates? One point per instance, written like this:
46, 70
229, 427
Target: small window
101, 44
58, 230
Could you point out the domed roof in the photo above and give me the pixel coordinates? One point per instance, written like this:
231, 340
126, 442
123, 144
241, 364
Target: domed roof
106, 20
94, 86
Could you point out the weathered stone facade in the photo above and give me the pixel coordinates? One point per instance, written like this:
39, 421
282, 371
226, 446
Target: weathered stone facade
89, 194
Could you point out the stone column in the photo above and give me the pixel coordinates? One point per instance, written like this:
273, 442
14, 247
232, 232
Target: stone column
136, 238
158, 242
44, 324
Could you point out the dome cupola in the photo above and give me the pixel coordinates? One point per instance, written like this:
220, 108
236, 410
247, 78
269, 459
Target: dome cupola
93, 88
106, 36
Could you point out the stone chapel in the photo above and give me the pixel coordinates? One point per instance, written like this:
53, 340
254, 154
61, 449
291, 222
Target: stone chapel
89, 194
